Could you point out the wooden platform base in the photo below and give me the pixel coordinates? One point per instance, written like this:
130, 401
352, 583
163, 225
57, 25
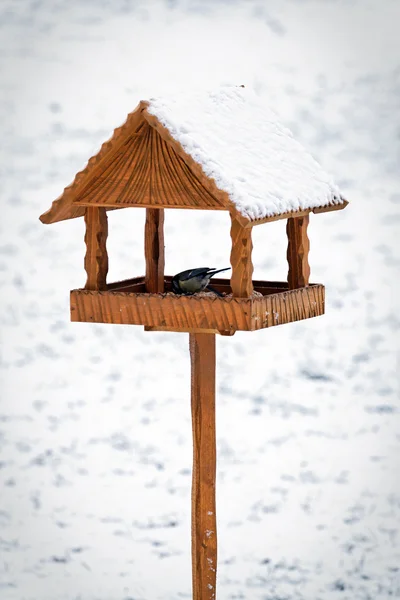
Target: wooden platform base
127, 303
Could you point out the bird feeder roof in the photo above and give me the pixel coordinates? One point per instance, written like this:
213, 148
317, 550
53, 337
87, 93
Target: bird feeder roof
222, 150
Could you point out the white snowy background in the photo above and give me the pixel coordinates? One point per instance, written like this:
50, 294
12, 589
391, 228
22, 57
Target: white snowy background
95, 433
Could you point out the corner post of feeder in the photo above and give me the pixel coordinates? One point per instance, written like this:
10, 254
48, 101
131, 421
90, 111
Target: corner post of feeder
297, 252
242, 266
204, 523
154, 250
96, 258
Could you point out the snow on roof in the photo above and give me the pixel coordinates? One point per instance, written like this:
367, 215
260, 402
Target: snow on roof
240, 143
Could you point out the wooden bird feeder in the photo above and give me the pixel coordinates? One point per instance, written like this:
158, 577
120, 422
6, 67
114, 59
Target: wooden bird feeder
181, 154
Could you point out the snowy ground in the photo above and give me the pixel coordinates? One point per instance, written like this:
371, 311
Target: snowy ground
95, 437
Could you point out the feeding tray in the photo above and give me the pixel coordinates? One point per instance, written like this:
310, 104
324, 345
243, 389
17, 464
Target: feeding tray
127, 303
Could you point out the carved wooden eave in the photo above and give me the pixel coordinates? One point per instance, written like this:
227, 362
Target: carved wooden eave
143, 165
245, 222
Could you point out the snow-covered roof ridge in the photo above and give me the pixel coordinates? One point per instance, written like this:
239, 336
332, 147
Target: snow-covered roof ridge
240, 143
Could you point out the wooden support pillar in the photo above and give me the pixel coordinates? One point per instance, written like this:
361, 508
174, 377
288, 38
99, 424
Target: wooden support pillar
96, 258
154, 250
297, 252
242, 267
204, 522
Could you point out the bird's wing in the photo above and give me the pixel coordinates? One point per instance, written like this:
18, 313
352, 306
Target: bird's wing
194, 273
175, 285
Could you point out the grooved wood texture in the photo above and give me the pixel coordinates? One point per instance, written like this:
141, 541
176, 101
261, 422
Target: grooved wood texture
195, 312
96, 258
154, 250
204, 522
297, 252
221, 198
242, 266
147, 172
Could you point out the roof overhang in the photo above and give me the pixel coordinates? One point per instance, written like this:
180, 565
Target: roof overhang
288, 215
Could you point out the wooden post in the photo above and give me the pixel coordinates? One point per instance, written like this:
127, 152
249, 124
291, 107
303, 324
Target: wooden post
242, 267
154, 250
297, 252
96, 258
204, 523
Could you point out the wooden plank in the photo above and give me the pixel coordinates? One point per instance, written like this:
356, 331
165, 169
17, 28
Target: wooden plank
136, 288
242, 267
197, 313
180, 203
96, 258
188, 330
224, 285
154, 250
297, 252
135, 284
204, 522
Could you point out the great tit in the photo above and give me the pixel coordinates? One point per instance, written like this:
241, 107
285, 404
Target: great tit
194, 280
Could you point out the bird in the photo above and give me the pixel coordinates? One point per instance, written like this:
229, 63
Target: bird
195, 280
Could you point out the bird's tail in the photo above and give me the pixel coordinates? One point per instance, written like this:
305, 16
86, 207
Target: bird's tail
219, 271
